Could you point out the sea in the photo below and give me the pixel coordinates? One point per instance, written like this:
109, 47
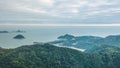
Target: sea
49, 33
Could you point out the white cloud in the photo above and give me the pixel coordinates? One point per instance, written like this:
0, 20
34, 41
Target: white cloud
62, 8
34, 10
46, 2
99, 3
104, 12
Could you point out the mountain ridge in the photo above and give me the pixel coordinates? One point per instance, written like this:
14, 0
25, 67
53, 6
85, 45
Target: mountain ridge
50, 56
87, 42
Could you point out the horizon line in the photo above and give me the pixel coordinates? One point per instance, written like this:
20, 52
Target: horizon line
84, 25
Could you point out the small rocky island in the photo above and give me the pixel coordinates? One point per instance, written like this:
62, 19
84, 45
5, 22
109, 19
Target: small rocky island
19, 36
19, 31
4, 32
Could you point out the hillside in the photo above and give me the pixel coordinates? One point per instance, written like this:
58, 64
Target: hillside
49, 56
41, 56
86, 42
104, 49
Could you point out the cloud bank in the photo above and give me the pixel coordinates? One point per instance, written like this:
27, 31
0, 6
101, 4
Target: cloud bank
60, 11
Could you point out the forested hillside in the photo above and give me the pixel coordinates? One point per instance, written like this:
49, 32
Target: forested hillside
49, 56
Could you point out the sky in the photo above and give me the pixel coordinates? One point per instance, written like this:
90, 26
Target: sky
60, 11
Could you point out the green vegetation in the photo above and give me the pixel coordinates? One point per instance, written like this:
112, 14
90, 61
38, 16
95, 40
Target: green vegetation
87, 42
19, 36
49, 56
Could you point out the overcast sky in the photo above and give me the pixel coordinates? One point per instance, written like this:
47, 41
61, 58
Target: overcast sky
60, 11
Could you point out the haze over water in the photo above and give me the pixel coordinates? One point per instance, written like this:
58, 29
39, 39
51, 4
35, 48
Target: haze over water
46, 34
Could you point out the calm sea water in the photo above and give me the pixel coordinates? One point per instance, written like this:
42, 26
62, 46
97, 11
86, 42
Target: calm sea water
46, 34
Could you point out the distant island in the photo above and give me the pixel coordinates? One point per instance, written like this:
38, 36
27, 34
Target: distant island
4, 32
19, 36
86, 42
19, 31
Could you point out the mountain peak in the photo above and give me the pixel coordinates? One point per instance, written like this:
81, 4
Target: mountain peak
66, 36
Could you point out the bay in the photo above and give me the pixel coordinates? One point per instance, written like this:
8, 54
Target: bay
46, 34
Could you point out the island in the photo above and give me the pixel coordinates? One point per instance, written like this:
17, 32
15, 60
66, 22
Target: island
4, 32
19, 36
19, 31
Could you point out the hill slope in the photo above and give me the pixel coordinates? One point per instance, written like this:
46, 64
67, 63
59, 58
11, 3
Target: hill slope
86, 42
41, 56
49, 56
